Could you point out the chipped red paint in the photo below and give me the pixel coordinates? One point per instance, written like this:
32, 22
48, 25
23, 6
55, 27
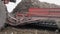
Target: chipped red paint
44, 11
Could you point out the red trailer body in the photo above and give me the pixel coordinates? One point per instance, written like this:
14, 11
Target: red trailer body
45, 12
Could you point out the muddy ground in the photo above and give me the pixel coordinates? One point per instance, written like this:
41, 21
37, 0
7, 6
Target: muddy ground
27, 30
